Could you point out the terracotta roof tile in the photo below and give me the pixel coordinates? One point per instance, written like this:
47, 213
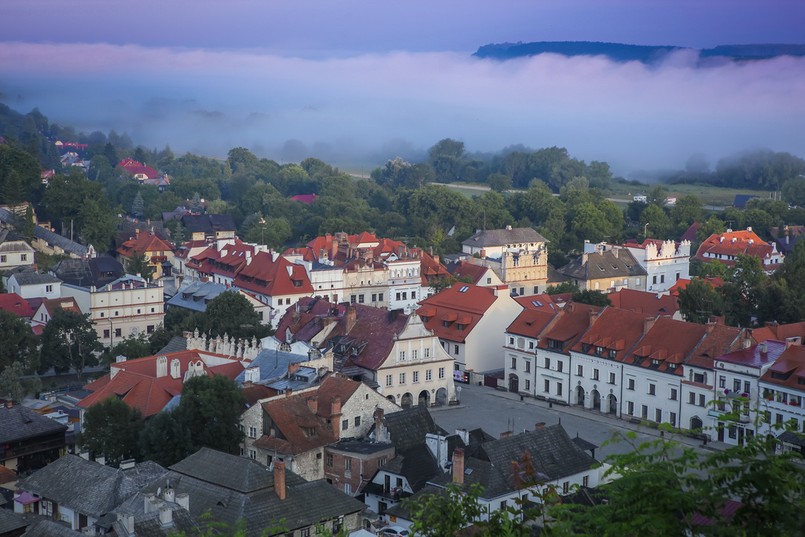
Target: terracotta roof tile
789, 369
469, 300
644, 302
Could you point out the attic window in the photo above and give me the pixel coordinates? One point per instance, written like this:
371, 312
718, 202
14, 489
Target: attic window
655, 362
464, 289
537, 303
297, 283
612, 353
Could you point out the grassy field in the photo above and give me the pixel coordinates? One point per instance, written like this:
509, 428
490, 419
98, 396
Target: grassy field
709, 195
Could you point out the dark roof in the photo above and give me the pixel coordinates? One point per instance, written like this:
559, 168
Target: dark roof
741, 200
20, 423
792, 437
502, 237
360, 447
208, 223
147, 524
86, 486
607, 264
583, 444
176, 344
215, 482
33, 278
408, 428
50, 528
10, 521
97, 271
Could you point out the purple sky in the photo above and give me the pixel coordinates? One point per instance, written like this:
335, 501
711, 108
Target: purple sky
347, 79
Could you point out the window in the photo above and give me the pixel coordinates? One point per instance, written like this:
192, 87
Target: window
612, 378
630, 384
252, 432
580, 370
488, 281
511, 341
654, 280
347, 490
558, 388
673, 419
48, 288
547, 386
388, 380
23, 257
413, 354
736, 385
305, 532
630, 408
527, 366
455, 350
415, 376
652, 389
352, 298
402, 356
595, 374
565, 487
149, 329
344, 425
374, 297
428, 375
441, 372
658, 415
673, 394
746, 386
106, 334
360, 299
585, 481
118, 332
691, 398
722, 382
547, 363
514, 363
347, 463
402, 378
3, 259
701, 399
252, 454
329, 460
644, 412
559, 365
380, 297
357, 421
398, 296
527, 385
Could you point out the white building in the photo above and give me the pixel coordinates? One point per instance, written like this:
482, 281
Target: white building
665, 262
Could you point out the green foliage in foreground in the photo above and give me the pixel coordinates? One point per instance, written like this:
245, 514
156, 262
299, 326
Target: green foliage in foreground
659, 488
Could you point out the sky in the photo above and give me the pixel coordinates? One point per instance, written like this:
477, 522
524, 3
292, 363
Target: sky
357, 82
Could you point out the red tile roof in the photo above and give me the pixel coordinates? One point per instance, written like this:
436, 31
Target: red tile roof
273, 277
469, 301
530, 323
144, 242
720, 339
614, 330
734, 243
667, 344
297, 428
569, 325
14, 303
779, 332
67, 304
465, 269
307, 199
137, 384
644, 302
789, 369
683, 283
135, 168
542, 302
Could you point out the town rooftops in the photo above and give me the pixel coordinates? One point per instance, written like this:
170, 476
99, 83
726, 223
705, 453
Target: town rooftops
503, 237
757, 356
726, 246
409, 427
780, 332
14, 303
666, 345
614, 263
95, 272
208, 223
143, 242
789, 369
138, 168
644, 302
613, 333
34, 278
568, 325
273, 276
454, 312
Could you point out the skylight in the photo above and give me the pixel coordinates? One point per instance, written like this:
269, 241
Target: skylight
464, 289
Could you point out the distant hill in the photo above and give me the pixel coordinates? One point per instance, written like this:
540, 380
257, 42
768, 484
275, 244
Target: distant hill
620, 52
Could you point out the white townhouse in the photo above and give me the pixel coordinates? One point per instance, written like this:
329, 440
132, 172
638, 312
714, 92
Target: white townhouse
782, 389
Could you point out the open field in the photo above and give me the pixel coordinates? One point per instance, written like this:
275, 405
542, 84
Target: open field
709, 195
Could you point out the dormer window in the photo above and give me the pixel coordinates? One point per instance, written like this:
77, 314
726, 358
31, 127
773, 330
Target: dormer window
599, 351
613, 353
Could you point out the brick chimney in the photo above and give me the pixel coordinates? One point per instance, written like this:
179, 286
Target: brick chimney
351, 318
335, 416
648, 322
458, 466
539, 425
279, 479
505, 434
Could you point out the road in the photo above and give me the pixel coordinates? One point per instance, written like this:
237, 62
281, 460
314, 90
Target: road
496, 411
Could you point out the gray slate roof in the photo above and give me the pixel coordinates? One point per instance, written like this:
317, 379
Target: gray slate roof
97, 271
606, 264
233, 488
407, 428
86, 486
195, 295
208, 223
177, 343
34, 278
20, 423
50, 528
62, 242
273, 364
502, 237
10, 521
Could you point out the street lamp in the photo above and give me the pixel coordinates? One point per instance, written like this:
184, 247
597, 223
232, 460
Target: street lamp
262, 223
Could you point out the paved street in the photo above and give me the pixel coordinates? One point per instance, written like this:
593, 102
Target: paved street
497, 411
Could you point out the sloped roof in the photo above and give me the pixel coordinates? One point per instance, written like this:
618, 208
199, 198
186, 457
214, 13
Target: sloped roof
755, 356
216, 483
144, 242
11, 521
408, 427
465, 301
14, 303
615, 263
19, 423
67, 304
208, 223
614, 329
86, 486
530, 323
644, 302
668, 342
299, 429
502, 237
34, 278
97, 271
779, 332
135, 168
273, 277
465, 269
569, 325
733, 243
720, 339
44, 527
789, 369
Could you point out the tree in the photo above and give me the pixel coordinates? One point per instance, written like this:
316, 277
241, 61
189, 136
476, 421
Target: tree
445, 513
699, 301
447, 160
165, 439
19, 342
210, 409
138, 264
499, 182
742, 293
595, 298
138, 206
111, 428
68, 341
132, 347
656, 223
231, 313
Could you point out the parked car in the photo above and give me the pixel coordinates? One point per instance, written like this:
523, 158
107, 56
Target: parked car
394, 531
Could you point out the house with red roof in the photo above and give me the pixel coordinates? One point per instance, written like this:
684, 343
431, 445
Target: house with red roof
470, 322
221, 262
275, 281
391, 351
726, 247
150, 384
537, 348
295, 427
739, 405
469, 272
780, 332
158, 252
683, 283
46, 309
14, 303
138, 170
782, 392
307, 199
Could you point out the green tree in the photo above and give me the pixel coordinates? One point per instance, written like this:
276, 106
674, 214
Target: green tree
111, 428
210, 409
742, 294
688, 209
445, 513
231, 313
165, 439
68, 341
132, 347
588, 296
656, 223
499, 182
19, 342
138, 264
447, 160
698, 301
138, 206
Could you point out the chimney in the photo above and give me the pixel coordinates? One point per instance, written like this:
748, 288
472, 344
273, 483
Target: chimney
335, 416
165, 516
505, 434
648, 322
763, 348
170, 495
149, 501
127, 464
279, 479
380, 435
351, 317
128, 523
183, 500
458, 466
313, 404
539, 425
